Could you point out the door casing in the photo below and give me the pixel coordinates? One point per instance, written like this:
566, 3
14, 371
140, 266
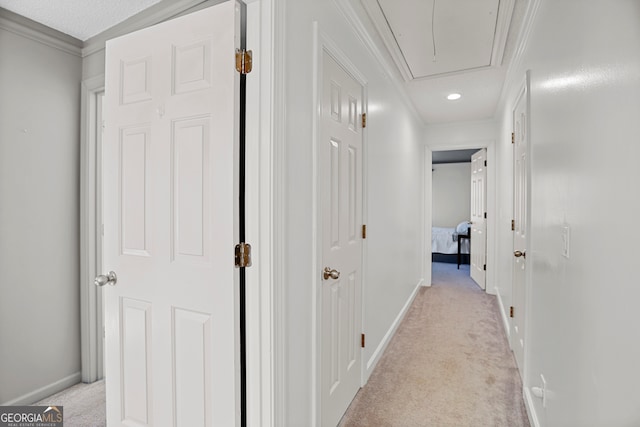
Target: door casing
91, 324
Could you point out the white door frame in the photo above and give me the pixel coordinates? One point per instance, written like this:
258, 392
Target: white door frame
323, 43
91, 325
427, 208
265, 197
492, 213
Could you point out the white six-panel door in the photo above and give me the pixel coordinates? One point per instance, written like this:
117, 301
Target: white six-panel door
478, 220
170, 151
340, 178
520, 195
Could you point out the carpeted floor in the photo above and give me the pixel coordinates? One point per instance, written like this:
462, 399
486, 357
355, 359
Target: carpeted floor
83, 404
449, 364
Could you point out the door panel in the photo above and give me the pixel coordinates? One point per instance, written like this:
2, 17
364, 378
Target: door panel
341, 195
136, 361
520, 196
478, 221
170, 211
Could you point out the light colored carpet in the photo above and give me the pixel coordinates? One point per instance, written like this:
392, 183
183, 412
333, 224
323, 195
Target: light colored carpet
449, 364
83, 404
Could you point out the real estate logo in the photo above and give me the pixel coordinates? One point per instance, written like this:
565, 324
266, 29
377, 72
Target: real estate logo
31, 416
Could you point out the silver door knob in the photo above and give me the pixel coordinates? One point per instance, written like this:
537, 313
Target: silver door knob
519, 254
330, 274
110, 279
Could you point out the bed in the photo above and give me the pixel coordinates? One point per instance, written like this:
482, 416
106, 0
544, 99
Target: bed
445, 241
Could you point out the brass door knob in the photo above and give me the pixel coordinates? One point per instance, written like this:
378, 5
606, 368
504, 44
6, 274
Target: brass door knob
328, 273
519, 254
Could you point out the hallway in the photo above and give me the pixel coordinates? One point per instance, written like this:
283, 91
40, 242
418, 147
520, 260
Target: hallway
448, 365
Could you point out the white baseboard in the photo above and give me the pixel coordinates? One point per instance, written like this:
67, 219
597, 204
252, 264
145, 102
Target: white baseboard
531, 412
503, 315
375, 357
46, 391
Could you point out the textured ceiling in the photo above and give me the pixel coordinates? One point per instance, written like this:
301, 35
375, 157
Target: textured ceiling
81, 19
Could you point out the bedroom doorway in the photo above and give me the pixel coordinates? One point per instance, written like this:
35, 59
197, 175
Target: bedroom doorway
452, 206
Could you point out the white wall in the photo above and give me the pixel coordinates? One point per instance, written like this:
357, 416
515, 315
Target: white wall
460, 135
39, 209
583, 315
394, 162
451, 199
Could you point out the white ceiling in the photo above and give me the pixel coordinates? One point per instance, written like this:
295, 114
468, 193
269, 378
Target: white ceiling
474, 43
81, 19
461, 38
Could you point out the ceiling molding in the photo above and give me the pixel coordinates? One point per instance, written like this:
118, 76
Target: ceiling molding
503, 21
453, 73
155, 14
380, 21
35, 31
521, 46
505, 13
354, 20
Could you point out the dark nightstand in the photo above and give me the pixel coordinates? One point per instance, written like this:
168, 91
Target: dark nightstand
460, 237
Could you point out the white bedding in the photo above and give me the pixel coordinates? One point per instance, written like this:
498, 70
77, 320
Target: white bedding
444, 240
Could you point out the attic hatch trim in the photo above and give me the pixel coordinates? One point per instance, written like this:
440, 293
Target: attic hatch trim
503, 21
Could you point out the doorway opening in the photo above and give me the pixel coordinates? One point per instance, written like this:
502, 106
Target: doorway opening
459, 210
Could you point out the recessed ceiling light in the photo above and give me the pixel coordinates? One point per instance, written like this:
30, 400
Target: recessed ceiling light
453, 96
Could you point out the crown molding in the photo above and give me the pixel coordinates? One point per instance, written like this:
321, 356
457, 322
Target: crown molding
503, 22
521, 46
380, 22
35, 31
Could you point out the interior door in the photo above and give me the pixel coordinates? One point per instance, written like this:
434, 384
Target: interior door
170, 211
520, 197
341, 197
478, 217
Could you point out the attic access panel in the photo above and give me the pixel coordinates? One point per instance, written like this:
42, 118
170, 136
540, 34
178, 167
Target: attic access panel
465, 34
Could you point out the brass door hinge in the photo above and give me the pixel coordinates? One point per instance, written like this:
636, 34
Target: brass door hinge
364, 231
243, 255
511, 311
485, 215
513, 137
513, 225
484, 267
362, 340
244, 61
485, 163
364, 120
